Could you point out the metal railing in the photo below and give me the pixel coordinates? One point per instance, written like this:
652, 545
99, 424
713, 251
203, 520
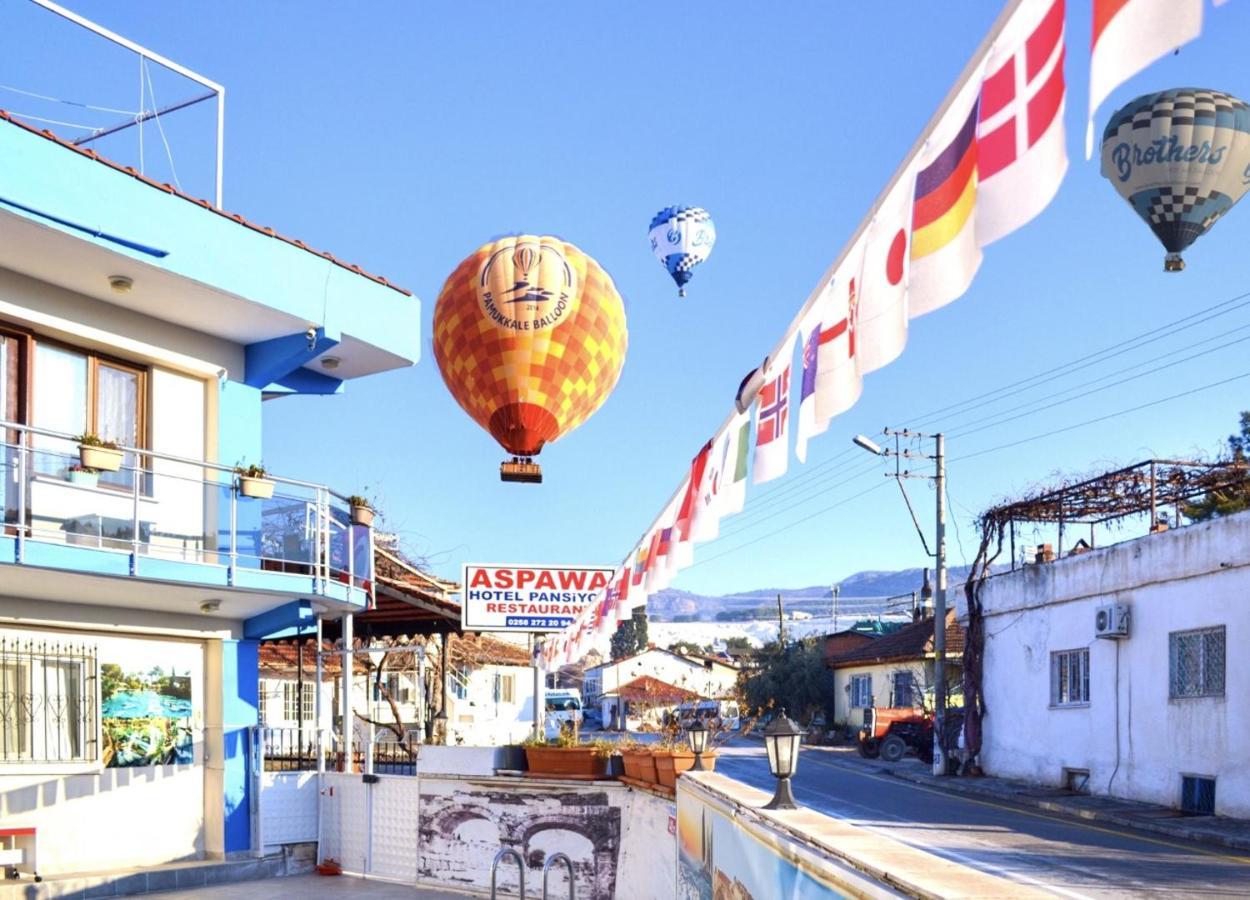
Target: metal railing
47, 701
163, 506
551, 862
292, 749
494, 866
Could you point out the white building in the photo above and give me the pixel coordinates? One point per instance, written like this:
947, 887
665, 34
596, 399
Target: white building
1153, 715
700, 675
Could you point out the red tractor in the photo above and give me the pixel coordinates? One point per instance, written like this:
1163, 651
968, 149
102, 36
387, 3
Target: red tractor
889, 732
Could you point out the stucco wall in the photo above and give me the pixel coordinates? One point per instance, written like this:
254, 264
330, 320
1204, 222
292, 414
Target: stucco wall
882, 686
1193, 577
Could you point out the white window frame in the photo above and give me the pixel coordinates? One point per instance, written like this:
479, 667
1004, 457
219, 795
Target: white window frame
1204, 679
861, 690
1074, 664
505, 688
26, 675
290, 695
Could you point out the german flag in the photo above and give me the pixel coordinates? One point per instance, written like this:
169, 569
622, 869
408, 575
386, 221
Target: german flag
946, 192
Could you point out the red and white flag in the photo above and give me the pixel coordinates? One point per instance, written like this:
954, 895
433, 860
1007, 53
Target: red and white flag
1129, 35
772, 413
831, 381
1022, 157
723, 489
881, 332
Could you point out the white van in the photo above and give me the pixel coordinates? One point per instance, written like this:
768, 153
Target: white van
564, 707
717, 715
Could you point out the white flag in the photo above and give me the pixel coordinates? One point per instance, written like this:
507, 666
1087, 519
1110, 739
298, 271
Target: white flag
1021, 157
881, 333
831, 381
722, 491
772, 412
1128, 36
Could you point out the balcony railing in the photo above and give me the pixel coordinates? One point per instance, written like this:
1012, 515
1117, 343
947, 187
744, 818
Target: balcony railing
161, 510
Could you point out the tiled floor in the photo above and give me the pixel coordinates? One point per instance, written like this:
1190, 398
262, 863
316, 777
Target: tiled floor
313, 887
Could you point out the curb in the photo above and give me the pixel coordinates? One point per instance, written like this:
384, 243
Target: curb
965, 786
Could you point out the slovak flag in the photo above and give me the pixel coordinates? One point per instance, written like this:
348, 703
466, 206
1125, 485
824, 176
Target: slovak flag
1129, 35
772, 412
881, 332
831, 382
1020, 134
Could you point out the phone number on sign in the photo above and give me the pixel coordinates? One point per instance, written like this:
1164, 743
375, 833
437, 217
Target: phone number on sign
537, 621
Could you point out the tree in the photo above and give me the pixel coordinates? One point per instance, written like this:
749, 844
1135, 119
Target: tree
1229, 500
793, 676
631, 636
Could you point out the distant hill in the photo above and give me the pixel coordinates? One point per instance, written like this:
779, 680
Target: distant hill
864, 593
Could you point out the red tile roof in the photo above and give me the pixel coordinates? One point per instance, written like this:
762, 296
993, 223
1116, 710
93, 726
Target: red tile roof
914, 641
648, 689
170, 189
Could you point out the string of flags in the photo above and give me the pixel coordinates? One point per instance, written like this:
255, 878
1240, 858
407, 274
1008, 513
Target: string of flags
990, 160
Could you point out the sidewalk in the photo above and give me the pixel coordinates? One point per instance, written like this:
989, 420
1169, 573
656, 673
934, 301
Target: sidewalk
1220, 831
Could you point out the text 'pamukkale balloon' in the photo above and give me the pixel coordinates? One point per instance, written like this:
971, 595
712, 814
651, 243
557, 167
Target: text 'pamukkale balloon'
530, 337
1181, 158
681, 238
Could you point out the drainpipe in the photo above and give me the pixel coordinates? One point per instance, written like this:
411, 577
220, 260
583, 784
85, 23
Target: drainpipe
347, 660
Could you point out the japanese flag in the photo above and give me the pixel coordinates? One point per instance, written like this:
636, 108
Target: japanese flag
881, 332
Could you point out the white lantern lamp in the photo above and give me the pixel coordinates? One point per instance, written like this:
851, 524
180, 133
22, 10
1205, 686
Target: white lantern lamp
696, 736
781, 740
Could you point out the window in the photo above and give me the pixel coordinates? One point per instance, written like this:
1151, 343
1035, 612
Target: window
905, 692
1198, 795
505, 688
1196, 663
76, 392
861, 690
1069, 678
458, 682
46, 702
290, 701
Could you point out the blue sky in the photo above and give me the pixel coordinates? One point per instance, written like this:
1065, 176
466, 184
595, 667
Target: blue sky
403, 136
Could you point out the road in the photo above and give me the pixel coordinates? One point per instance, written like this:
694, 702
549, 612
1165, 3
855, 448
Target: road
1065, 857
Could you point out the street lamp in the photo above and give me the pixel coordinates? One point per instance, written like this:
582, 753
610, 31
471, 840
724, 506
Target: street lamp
781, 740
696, 735
939, 555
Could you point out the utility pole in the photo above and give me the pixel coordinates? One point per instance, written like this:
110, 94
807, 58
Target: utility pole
781, 624
837, 589
939, 612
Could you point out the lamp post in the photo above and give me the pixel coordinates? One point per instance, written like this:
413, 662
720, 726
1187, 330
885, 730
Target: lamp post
781, 740
696, 736
939, 554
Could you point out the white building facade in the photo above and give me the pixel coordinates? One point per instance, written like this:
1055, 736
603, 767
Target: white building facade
1153, 716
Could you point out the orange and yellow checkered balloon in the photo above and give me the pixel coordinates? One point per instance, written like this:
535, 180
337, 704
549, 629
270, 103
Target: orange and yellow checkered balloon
530, 337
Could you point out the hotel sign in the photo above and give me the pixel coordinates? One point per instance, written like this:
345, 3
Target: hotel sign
527, 598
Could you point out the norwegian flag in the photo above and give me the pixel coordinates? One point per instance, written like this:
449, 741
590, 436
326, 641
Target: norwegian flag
1020, 136
772, 412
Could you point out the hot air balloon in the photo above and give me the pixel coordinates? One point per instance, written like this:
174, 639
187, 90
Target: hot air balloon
1181, 158
530, 337
681, 238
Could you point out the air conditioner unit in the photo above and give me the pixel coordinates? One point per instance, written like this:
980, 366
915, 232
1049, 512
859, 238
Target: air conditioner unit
1111, 621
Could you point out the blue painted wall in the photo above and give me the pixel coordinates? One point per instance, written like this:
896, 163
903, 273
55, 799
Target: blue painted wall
239, 441
240, 672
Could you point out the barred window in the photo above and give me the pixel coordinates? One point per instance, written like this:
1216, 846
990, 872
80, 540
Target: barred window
1196, 663
861, 690
47, 702
290, 701
905, 692
1069, 678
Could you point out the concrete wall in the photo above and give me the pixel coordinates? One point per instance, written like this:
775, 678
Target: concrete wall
480, 721
1134, 740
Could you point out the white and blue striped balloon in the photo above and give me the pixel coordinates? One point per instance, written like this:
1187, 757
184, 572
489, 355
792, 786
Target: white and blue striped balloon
681, 238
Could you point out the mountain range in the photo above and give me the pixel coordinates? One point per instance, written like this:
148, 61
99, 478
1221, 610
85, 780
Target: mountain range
868, 593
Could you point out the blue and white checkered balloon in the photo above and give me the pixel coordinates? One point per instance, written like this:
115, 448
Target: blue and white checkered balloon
681, 238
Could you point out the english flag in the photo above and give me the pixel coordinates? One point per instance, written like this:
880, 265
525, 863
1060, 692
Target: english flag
1021, 154
772, 413
944, 251
881, 332
723, 491
1129, 35
831, 382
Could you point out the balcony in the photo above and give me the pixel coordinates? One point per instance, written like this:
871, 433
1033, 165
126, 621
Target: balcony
184, 523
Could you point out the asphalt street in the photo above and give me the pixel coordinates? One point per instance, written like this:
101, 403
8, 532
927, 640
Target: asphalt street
1065, 857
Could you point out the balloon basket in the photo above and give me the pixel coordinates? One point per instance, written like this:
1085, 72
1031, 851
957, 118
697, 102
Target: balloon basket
1173, 263
523, 470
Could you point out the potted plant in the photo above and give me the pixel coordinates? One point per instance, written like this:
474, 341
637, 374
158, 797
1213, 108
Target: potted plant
329, 866
638, 762
510, 758
609, 751
673, 757
84, 475
362, 511
563, 757
254, 481
96, 453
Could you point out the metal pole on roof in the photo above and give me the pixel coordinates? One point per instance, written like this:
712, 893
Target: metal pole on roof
939, 612
347, 660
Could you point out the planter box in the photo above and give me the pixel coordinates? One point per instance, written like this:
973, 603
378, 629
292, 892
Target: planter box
257, 488
362, 516
105, 459
640, 764
557, 761
668, 765
86, 479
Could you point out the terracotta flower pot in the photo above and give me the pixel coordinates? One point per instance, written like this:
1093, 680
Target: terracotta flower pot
257, 488
362, 516
640, 764
558, 761
105, 459
671, 763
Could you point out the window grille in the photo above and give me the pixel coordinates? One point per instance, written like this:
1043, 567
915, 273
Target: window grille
1198, 795
861, 690
458, 682
47, 702
905, 692
1196, 663
290, 701
1069, 677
